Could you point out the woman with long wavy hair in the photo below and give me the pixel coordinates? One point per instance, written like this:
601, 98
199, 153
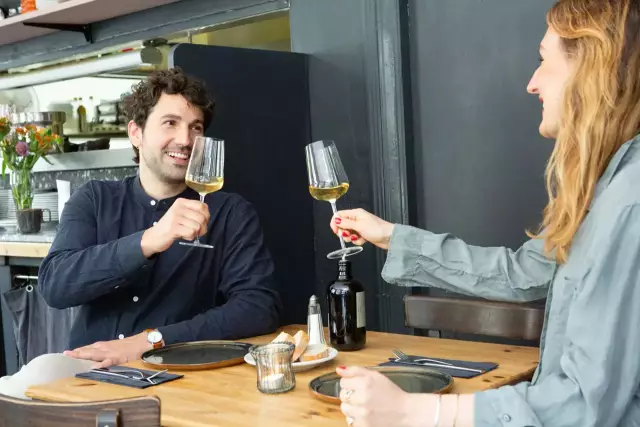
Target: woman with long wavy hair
585, 259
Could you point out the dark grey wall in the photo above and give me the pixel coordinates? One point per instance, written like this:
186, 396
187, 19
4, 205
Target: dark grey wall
332, 33
479, 159
466, 127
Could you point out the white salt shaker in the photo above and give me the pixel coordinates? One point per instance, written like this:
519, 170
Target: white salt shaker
315, 330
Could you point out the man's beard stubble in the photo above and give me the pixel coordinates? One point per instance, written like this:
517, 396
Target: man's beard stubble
163, 171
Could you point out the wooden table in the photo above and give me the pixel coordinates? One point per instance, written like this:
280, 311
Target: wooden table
228, 397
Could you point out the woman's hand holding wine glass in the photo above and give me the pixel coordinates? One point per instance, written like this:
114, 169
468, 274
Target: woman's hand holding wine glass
328, 182
360, 226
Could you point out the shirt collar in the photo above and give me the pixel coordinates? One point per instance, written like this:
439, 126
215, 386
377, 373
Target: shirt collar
624, 153
149, 202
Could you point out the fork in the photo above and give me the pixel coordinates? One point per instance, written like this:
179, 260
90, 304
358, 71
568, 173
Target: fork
117, 374
121, 373
150, 378
403, 356
431, 362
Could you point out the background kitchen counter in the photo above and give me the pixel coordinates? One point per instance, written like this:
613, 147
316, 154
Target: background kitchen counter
46, 235
13, 243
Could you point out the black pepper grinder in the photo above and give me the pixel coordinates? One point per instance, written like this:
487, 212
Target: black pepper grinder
347, 320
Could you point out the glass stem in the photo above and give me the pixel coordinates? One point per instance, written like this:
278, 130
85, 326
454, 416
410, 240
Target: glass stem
335, 211
198, 235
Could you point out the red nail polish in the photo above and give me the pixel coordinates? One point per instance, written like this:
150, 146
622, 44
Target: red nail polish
342, 368
354, 237
345, 234
338, 220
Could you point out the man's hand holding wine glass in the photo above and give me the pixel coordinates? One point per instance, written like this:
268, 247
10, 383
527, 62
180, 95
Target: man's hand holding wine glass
186, 219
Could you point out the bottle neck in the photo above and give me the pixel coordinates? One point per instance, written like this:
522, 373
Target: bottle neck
344, 270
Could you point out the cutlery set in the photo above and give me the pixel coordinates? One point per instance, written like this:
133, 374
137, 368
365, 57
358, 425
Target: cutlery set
131, 374
404, 358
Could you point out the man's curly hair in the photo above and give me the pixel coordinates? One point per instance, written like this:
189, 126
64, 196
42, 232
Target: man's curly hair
145, 95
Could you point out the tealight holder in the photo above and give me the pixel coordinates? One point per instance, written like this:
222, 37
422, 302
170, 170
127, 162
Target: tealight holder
273, 364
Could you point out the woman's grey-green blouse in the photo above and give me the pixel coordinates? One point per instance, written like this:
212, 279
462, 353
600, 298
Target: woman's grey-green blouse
589, 371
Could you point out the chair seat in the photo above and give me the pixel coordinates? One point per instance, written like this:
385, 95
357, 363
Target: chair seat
489, 318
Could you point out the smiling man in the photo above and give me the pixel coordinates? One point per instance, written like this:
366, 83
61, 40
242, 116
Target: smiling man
117, 255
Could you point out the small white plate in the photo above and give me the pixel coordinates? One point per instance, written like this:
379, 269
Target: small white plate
301, 366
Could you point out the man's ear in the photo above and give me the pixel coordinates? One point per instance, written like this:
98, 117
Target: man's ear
135, 134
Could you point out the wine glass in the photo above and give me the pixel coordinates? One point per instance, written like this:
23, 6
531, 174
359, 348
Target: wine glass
328, 182
205, 173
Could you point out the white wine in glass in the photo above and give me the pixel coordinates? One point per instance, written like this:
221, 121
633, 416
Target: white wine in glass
204, 188
329, 193
205, 173
328, 182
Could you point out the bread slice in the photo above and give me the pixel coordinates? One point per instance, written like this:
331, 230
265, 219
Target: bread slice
284, 337
301, 341
315, 352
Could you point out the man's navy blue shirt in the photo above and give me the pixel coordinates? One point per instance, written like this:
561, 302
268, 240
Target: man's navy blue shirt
188, 293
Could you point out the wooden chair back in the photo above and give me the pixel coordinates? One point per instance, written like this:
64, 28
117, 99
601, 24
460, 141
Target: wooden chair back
135, 412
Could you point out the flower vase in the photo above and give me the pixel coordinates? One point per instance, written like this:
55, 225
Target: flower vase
29, 220
21, 148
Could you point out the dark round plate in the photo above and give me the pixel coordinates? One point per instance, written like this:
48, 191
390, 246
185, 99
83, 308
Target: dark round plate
413, 380
197, 355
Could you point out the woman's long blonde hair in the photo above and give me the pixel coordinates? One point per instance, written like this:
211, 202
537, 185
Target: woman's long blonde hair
600, 112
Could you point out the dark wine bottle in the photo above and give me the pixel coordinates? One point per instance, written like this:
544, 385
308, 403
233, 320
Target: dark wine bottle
347, 323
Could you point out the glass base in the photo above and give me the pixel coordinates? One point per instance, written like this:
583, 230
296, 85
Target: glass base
345, 252
197, 245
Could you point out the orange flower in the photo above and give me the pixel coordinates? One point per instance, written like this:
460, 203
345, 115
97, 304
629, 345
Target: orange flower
20, 131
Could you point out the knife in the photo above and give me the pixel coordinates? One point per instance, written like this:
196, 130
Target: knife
438, 365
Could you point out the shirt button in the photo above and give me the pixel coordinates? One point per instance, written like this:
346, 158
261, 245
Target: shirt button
135, 299
155, 222
152, 203
121, 336
506, 418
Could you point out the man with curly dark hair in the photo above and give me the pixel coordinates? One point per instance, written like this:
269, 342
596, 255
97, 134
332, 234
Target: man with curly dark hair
146, 94
116, 253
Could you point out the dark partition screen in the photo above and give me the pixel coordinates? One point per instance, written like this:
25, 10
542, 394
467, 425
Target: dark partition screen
262, 113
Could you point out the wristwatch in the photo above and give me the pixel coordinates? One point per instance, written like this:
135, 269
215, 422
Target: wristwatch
154, 337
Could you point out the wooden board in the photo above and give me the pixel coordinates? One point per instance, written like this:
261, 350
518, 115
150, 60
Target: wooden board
79, 12
228, 397
26, 250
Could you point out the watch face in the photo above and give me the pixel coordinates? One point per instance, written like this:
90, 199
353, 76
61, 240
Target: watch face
154, 337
